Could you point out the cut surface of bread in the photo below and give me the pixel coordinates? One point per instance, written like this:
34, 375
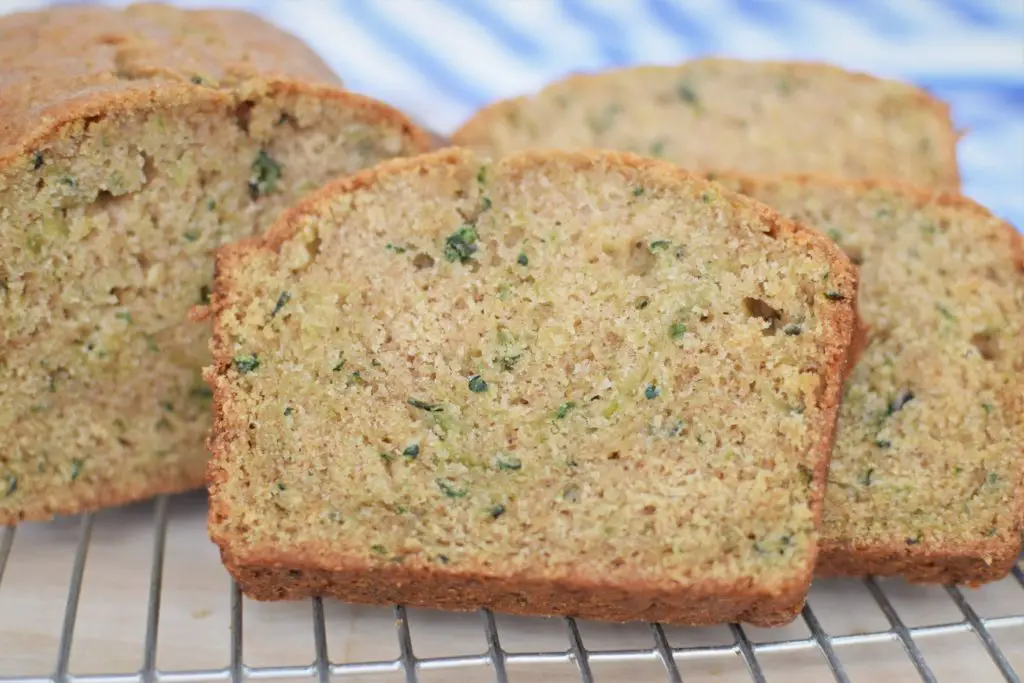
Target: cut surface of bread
564, 383
927, 475
132, 143
730, 115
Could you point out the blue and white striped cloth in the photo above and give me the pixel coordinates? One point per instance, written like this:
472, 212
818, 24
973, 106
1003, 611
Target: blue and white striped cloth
439, 60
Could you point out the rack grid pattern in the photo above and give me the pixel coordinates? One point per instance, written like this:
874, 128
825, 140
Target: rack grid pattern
496, 658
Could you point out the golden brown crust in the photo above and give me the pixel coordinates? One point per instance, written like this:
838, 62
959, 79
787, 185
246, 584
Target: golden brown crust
72, 62
276, 578
970, 563
475, 129
266, 572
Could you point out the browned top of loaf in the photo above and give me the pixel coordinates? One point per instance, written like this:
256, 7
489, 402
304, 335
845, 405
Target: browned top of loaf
65, 63
743, 116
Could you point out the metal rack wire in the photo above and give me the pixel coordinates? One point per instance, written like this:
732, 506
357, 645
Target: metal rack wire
497, 659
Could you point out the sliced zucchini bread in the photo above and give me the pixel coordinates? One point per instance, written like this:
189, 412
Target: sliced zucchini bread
132, 143
565, 383
927, 475
734, 115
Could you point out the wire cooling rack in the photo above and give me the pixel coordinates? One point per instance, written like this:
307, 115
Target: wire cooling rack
768, 654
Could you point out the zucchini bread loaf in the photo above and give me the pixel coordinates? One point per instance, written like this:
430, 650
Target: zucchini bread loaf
731, 115
927, 475
567, 383
132, 143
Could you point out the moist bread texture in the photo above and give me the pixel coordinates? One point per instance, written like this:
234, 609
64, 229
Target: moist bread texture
927, 475
730, 115
132, 143
562, 383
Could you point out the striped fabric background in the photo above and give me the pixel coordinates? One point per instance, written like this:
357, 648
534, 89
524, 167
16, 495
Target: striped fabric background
439, 60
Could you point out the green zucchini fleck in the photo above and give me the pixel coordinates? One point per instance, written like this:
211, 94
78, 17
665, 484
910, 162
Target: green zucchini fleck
883, 443
505, 461
564, 409
865, 479
289, 411
197, 79
638, 191
792, 330
659, 244
246, 364
902, 398
481, 175
806, 474
651, 392
412, 451
477, 384
125, 316
523, 259
11, 485
945, 312
76, 468
211, 204
987, 407
378, 549
833, 295
450, 490
423, 405
497, 511
686, 93
676, 330
282, 301
37, 161
461, 244
265, 174
394, 248
508, 352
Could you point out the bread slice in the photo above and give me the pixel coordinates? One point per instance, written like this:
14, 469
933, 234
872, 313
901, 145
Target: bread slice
566, 383
732, 115
132, 143
927, 476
